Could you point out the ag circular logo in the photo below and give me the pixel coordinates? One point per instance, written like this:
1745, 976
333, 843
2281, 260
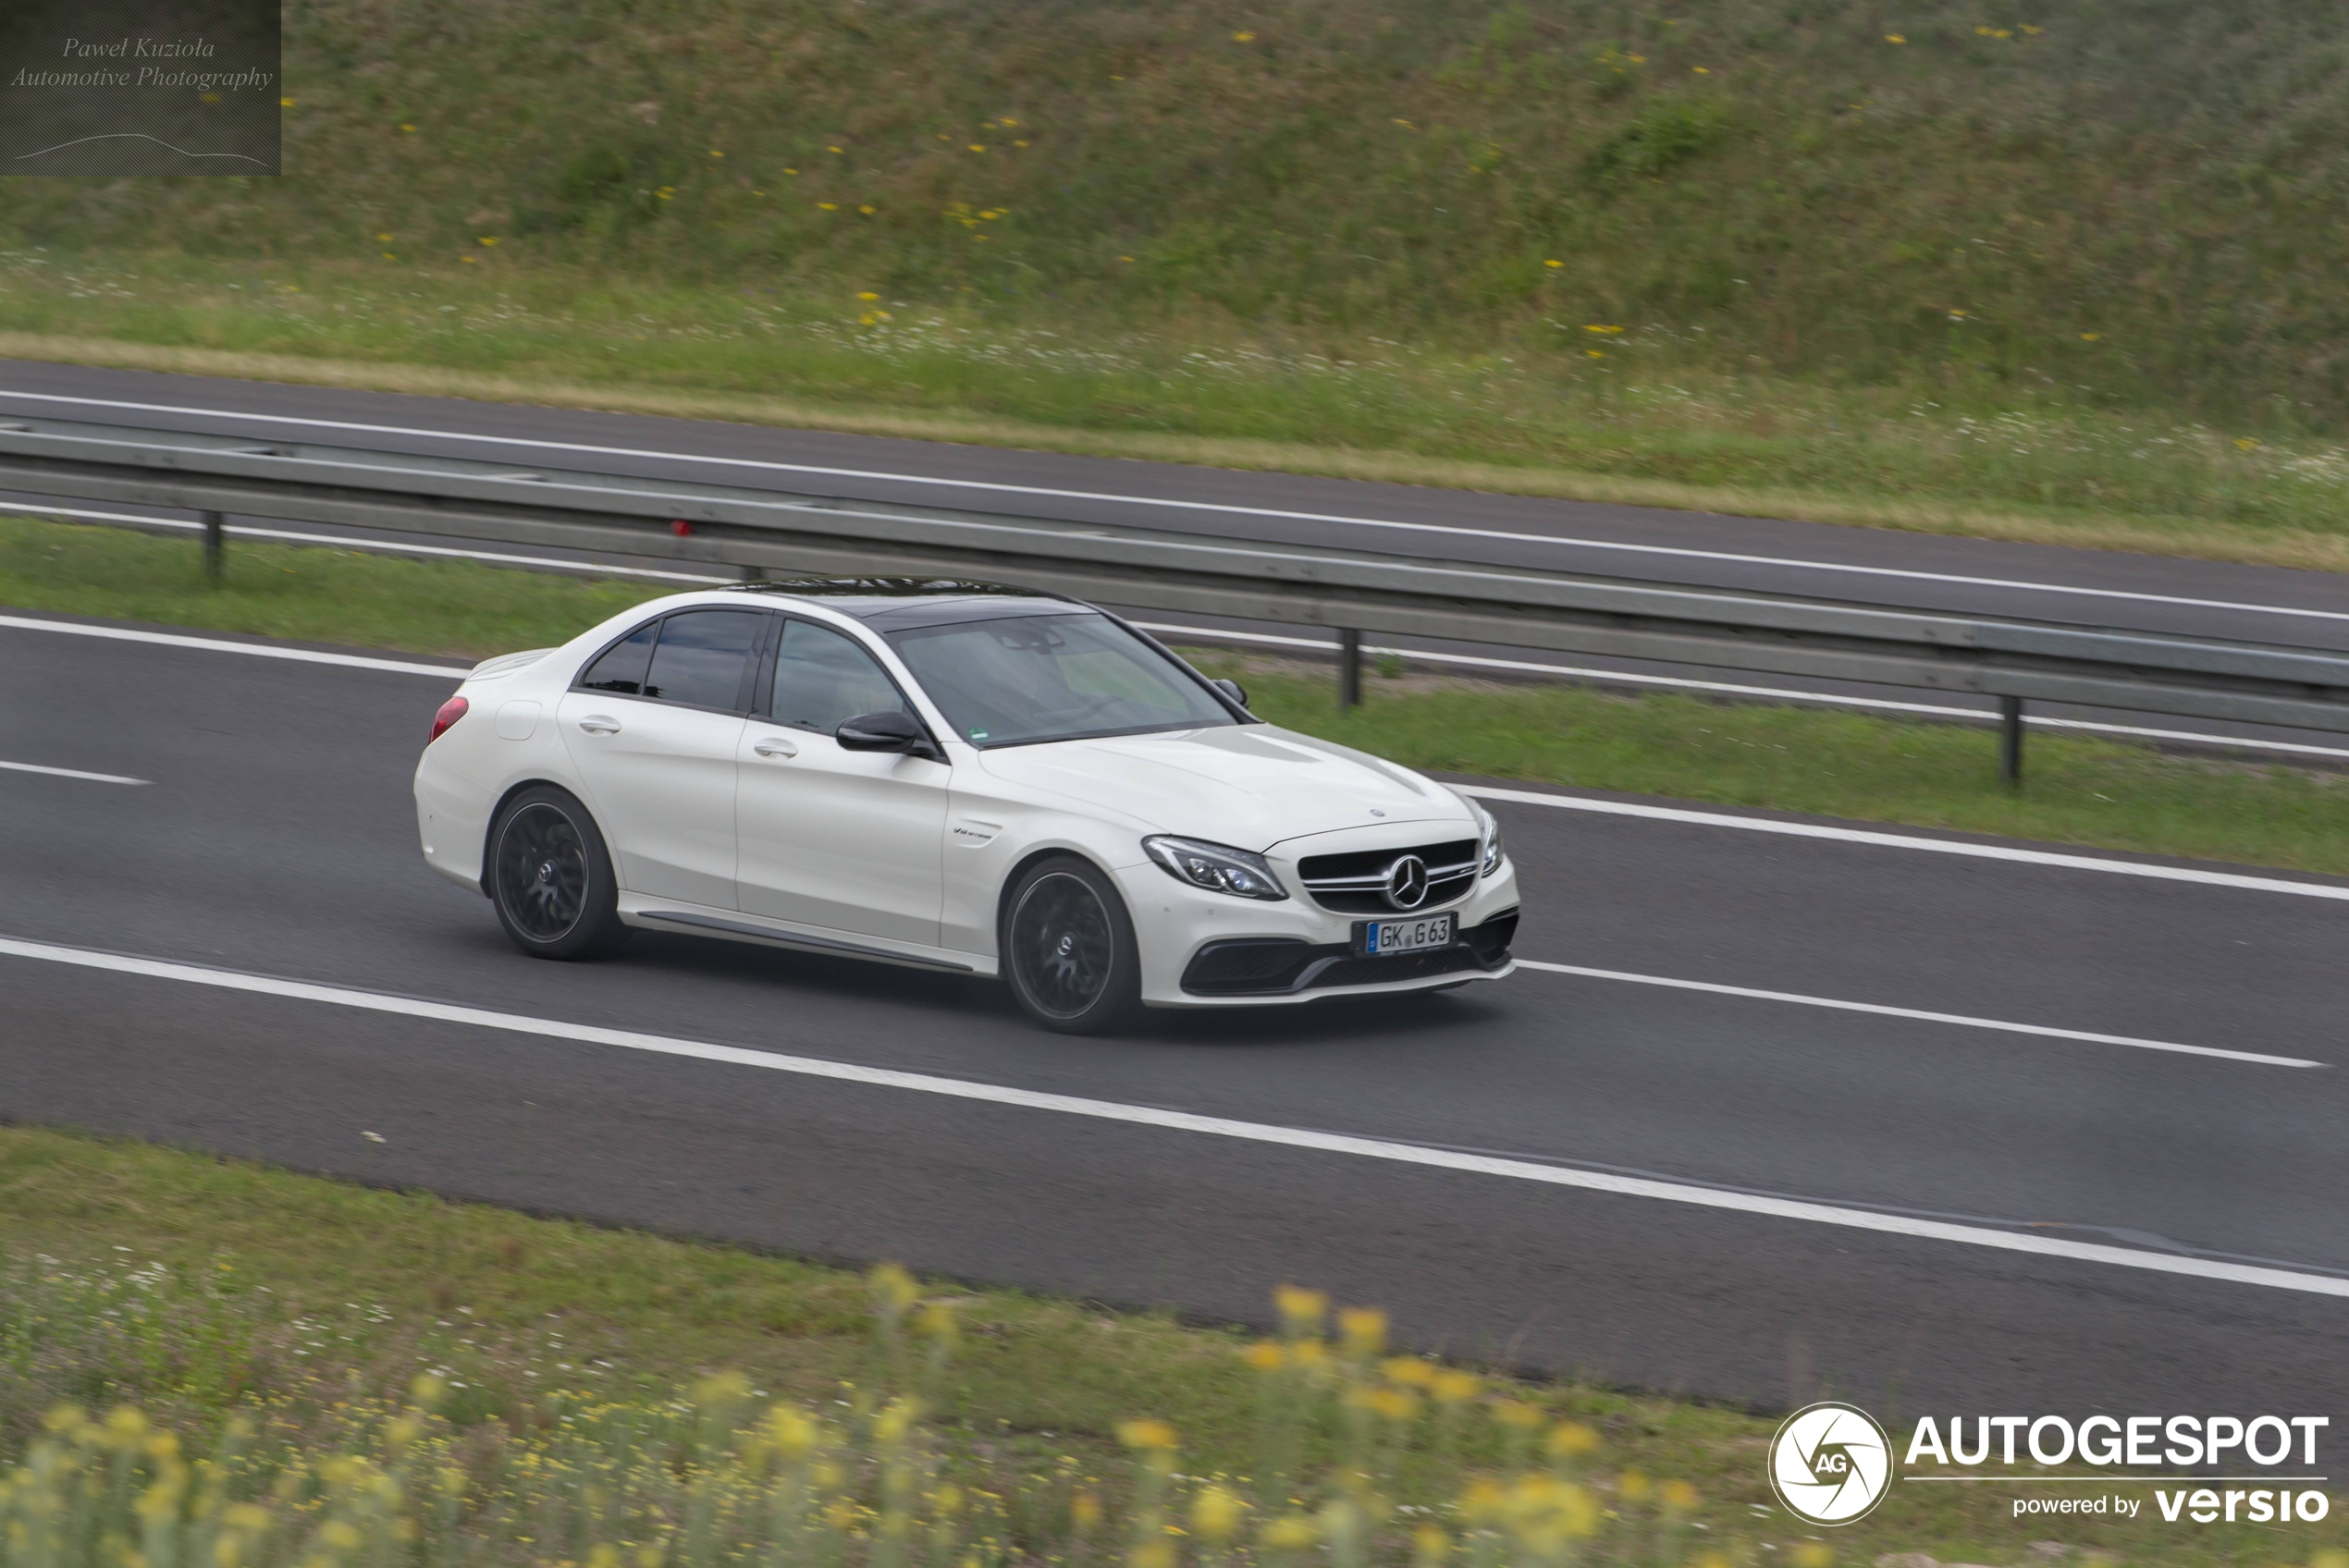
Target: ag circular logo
1830, 1464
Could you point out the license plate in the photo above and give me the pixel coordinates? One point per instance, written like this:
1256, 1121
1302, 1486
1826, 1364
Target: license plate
1377, 937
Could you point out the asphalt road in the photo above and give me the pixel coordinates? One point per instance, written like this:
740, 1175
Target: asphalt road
274, 838
1925, 572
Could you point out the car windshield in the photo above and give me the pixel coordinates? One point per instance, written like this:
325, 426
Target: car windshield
1024, 679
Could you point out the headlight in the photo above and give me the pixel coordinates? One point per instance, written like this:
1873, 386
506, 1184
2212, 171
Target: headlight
1219, 868
1492, 859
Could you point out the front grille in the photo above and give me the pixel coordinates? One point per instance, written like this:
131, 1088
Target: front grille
1355, 882
1273, 966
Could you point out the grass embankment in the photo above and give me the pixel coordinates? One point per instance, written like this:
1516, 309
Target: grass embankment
2108, 794
2065, 278
202, 1289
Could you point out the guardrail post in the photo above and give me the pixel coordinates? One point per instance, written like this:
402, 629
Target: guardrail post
2011, 742
215, 536
1349, 669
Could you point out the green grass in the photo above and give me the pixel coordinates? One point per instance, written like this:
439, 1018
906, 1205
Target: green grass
1955, 457
277, 1289
305, 594
2104, 794
2037, 276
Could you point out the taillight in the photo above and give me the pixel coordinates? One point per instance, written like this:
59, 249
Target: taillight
450, 712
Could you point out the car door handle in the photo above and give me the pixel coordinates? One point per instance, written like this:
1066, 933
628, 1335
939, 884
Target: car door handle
600, 724
776, 746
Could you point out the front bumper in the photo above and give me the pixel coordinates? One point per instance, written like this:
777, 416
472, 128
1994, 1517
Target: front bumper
1206, 950
1283, 967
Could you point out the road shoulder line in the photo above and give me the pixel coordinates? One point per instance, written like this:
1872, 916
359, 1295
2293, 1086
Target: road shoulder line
1747, 993
2011, 854
227, 645
1688, 1194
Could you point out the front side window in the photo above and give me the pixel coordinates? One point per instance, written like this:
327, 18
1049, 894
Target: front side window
1025, 679
702, 656
821, 677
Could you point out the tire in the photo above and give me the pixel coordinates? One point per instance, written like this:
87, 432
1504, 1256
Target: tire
550, 877
1068, 948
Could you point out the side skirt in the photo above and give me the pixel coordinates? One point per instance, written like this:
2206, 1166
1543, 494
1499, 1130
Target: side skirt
742, 931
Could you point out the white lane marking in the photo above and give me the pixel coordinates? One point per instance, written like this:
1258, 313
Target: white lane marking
1904, 841
1750, 994
1773, 693
1569, 671
70, 773
382, 545
1187, 1121
1225, 508
1483, 792
222, 646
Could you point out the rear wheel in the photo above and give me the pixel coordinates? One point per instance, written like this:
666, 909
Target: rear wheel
1068, 948
551, 877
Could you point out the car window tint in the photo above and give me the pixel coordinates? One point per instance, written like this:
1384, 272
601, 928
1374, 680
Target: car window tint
622, 666
702, 654
821, 677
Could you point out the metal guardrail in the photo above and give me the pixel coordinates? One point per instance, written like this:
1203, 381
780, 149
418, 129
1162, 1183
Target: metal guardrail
763, 532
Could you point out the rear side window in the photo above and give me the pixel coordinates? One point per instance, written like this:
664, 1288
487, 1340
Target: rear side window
703, 656
624, 665
821, 677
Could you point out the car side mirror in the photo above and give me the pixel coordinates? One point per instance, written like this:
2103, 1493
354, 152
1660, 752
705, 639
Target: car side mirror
1233, 690
885, 731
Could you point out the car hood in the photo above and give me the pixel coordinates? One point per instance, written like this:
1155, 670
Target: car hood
1249, 785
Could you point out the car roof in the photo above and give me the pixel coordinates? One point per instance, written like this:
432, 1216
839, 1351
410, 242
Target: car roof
899, 604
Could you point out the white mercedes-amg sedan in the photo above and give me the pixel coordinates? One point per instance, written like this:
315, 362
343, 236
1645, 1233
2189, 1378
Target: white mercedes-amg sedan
958, 776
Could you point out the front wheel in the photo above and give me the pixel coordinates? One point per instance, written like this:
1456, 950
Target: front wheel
1068, 948
551, 877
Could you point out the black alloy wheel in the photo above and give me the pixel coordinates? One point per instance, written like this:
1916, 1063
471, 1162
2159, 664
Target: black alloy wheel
1068, 948
551, 877
542, 872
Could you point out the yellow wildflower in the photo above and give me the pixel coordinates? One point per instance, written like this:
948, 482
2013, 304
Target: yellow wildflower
1216, 1513
1364, 1329
1451, 1388
1570, 1439
1146, 1434
1288, 1533
1301, 1310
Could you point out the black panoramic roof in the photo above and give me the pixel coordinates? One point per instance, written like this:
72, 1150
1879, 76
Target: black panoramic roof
898, 604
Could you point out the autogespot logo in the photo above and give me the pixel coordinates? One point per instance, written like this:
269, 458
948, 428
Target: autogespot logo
1830, 1464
